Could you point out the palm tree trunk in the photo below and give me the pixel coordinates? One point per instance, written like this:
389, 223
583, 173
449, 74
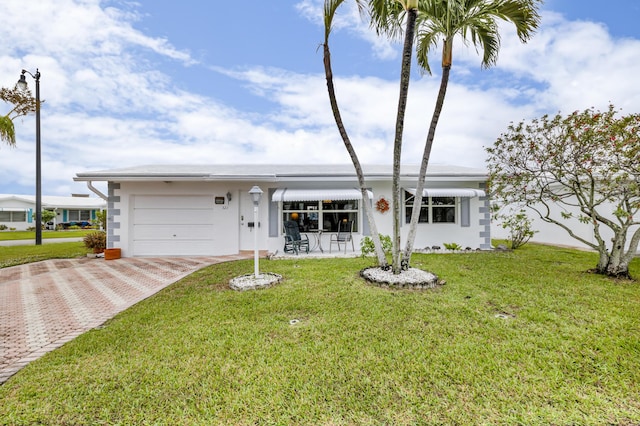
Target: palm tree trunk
375, 236
417, 202
405, 77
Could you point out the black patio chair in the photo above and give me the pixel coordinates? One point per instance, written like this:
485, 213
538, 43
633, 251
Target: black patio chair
294, 242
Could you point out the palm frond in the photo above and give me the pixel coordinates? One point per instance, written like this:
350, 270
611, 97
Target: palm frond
330, 7
388, 17
475, 21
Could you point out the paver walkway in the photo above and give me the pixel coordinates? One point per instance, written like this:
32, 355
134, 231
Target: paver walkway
44, 305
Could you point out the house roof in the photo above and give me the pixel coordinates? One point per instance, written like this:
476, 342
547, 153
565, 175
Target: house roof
52, 201
275, 172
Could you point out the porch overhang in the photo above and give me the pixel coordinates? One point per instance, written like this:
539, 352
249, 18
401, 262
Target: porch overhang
286, 194
449, 192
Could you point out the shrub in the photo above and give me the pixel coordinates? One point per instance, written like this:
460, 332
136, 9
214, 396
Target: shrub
367, 247
452, 246
3, 227
519, 226
95, 240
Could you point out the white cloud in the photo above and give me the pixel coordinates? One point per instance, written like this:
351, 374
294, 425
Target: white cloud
106, 105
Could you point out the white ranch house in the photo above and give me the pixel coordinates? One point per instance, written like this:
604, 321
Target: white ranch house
16, 211
199, 210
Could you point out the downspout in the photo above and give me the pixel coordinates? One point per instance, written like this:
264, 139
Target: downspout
96, 191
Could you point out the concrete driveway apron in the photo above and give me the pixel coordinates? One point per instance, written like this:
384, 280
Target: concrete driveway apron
44, 305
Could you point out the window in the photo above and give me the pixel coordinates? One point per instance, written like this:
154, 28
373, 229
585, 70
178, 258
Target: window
432, 210
13, 216
325, 214
79, 215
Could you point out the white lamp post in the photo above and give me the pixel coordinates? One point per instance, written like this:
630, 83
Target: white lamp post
256, 194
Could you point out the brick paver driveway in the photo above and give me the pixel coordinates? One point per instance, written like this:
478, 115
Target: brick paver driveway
46, 304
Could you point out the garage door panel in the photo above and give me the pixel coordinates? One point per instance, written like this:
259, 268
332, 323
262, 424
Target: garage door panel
174, 225
173, 215
173, 232
174, 248
173, 201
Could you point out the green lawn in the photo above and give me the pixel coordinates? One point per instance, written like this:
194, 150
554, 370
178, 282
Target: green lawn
18, 255
31, 235
525, 337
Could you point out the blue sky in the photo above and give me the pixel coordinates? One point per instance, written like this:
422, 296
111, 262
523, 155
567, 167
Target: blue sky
158, 81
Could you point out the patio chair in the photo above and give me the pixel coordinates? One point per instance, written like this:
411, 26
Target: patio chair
293, 241
344, 235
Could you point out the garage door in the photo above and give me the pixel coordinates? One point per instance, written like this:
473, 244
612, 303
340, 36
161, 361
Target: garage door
173, 225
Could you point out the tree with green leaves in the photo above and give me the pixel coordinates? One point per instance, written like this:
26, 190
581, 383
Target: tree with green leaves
476, 23
22, 103
585, 167
385, 15
47, 215
426, 21
379, 10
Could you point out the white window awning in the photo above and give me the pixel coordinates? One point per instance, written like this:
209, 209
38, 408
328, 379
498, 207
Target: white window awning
449, 192
285, 194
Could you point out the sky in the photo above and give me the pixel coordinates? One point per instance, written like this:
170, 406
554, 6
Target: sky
129, 83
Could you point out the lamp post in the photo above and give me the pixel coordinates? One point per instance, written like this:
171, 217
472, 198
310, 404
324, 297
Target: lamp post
256, 194
22, 85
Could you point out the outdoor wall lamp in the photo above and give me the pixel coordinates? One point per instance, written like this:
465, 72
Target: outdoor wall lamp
256, 194
229, 197
22, 85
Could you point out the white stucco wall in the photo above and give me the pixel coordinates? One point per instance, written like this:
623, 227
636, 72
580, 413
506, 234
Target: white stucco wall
231, 227
550, 233
120, 212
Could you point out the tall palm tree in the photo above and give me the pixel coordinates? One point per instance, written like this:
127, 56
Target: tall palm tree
387, 17
330, 7
475, 21
22, 103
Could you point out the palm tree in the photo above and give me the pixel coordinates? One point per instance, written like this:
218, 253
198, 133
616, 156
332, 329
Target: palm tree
475, 21
387, 16
23, 104
330, 7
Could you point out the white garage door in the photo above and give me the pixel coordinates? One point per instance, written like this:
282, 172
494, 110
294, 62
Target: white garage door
173, 225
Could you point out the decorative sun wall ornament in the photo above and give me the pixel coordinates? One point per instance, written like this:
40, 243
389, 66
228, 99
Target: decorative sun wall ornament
382, 205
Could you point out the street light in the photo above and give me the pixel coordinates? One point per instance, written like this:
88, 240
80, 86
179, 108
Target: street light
256, 194
22, 85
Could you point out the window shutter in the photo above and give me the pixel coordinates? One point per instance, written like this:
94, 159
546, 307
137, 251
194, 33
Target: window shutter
465, 212
273, 215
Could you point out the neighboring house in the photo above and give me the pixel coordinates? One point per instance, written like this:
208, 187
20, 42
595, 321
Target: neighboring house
16, 211
164, 210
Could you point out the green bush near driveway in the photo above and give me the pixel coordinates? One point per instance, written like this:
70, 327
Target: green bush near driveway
522, 337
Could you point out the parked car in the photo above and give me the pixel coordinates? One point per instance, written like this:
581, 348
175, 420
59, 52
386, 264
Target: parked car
80, 224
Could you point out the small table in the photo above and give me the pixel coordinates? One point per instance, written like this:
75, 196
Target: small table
317, 239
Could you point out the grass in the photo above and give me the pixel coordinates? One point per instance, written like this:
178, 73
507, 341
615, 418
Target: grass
564, 350
31, 235
18, 255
